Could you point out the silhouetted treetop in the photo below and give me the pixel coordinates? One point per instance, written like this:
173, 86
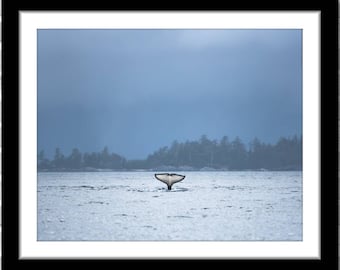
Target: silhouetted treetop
223, 154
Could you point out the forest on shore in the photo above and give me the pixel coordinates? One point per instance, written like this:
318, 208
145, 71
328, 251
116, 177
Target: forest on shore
203, 154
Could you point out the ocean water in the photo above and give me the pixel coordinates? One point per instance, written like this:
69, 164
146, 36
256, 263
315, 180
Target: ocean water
205, 206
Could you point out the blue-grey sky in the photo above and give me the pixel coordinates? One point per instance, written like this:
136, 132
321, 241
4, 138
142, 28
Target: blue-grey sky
137, 90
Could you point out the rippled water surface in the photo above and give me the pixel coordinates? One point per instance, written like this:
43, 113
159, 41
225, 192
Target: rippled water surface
134, 206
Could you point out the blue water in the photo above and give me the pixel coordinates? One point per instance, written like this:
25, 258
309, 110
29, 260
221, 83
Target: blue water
134, 206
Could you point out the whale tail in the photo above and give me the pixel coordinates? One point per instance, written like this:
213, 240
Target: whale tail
169, 178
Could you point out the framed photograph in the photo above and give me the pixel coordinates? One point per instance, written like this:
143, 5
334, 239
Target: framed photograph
170, 135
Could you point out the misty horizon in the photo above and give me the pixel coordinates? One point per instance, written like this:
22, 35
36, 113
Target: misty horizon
247, 145
202, 154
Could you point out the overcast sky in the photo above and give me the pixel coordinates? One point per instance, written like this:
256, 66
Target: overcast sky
137, 90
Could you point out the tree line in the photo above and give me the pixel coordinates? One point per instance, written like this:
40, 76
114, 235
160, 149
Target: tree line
202, 154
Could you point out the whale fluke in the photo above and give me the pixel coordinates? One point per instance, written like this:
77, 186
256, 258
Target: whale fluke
169, 178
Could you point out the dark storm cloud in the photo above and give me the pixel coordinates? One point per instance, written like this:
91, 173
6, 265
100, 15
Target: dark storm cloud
137, 90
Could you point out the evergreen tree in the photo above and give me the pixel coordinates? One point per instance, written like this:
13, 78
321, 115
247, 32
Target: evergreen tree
59, 159
74, 161
43, 162
238, 155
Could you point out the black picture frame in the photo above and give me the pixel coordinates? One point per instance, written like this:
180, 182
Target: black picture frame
328, 117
